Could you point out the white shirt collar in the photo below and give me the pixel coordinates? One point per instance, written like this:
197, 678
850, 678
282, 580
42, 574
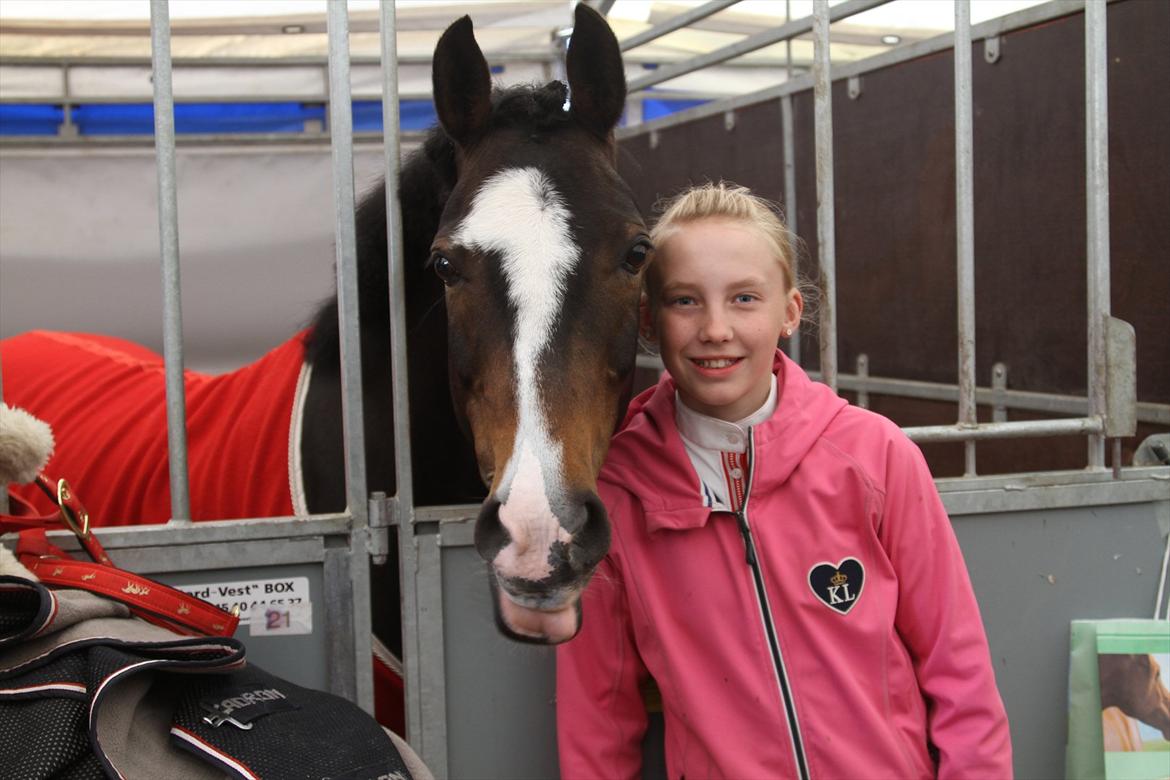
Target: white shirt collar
715, 434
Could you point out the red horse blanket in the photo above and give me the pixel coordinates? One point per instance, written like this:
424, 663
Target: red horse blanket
106, 401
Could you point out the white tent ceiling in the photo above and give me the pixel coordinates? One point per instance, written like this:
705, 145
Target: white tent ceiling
505, 28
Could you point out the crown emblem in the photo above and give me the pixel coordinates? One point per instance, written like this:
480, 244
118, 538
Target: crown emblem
136, 590
838, 579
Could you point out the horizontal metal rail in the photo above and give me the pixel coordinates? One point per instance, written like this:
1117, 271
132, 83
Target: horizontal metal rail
308, 138
1019, 429
1037, 14
1024, 400
750, 44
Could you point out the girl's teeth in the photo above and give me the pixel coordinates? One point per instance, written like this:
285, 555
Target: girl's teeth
715, 363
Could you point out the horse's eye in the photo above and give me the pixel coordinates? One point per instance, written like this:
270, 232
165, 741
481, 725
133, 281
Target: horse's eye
636, 257
445, 269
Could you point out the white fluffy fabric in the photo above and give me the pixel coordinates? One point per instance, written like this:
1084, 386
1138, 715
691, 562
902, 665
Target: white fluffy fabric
10, 566
25, 445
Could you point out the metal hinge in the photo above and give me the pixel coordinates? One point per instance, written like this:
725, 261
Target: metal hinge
381, 519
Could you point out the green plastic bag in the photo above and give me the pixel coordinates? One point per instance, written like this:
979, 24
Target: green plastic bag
1119, 698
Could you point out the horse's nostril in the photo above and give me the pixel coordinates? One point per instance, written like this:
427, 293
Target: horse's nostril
591, 541
490, 534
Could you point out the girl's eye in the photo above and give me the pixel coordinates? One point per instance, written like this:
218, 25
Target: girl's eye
682, 300
745, 298
636, 256
445, 269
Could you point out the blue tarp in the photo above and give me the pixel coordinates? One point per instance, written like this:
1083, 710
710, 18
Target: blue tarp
30, 119
652, 108
138, 118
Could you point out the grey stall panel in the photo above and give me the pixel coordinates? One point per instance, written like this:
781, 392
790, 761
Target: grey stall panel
501, 695
1033, 573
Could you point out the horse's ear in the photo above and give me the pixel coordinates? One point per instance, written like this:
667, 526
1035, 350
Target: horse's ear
462, 83
597, 80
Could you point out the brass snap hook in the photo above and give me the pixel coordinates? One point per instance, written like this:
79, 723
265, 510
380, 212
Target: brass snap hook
78, 521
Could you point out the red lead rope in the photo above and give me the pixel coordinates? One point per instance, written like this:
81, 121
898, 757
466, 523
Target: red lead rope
152, 601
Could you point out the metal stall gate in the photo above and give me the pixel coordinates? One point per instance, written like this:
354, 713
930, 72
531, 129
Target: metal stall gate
322, 562
1042, 548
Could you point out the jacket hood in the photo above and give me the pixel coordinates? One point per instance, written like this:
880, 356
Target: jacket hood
647, 457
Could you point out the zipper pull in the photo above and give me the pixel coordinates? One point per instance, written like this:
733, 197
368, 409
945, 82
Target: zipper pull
748, 545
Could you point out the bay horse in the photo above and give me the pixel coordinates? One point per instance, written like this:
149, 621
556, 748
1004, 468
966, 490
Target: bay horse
523, 254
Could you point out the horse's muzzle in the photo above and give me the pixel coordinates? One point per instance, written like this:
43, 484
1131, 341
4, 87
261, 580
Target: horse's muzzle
540, 567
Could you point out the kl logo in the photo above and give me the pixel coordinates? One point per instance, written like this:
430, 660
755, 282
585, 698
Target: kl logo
837, 586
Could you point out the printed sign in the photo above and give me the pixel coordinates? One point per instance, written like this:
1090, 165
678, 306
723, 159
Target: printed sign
267, 607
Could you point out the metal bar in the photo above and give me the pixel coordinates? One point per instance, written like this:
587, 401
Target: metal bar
192, 140
863, 380
789, 142
749, 44
676, 22
341, 133
403, 502
788, 43
1097, 216
965, 225
999, 393
1028, 17
1018, 429
1049, 403
826, 231
433, 675
168, 227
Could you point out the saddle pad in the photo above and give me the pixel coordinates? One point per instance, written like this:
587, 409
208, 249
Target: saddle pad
105, 399
87, 693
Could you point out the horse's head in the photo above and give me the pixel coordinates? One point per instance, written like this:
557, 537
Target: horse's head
540, 247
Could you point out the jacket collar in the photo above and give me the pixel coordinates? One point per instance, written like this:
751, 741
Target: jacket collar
648, 459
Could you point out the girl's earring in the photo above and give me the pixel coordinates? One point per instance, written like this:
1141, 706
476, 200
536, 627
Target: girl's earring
787, 332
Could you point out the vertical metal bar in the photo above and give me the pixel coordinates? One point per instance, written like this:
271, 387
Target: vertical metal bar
999, 392
403, 501
790, 203
965, 225
341, 144
787, 42
168, 228
1097, 217
826, 235
862, 371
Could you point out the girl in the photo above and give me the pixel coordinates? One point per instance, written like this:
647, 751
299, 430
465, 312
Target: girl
781, 563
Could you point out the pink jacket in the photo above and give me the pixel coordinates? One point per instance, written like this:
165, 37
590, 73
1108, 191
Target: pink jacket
864, 645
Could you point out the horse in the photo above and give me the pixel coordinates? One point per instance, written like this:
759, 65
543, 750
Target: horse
523, 252
1132, 683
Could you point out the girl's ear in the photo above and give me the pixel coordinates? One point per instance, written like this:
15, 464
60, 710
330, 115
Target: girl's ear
793, 308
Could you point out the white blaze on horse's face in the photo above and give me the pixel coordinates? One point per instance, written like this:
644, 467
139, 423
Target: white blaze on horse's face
519, 215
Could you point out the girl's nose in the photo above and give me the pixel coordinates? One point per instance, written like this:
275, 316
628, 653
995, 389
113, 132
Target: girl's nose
716, 326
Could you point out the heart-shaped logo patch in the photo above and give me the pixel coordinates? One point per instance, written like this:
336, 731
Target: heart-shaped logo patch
837, 586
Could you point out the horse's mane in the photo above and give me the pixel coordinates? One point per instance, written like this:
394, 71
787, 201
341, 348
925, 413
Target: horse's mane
425, 183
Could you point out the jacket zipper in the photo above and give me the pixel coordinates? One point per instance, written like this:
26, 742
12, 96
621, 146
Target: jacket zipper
753, 563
